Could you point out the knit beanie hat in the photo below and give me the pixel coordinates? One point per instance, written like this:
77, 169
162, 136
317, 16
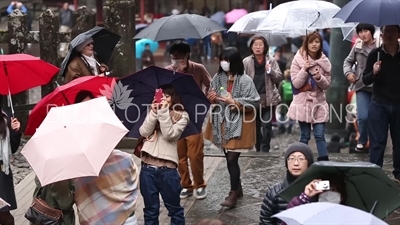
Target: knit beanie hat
83, 44
300, 147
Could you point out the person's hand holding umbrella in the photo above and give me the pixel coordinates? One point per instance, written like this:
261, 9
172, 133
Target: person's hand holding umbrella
15, 124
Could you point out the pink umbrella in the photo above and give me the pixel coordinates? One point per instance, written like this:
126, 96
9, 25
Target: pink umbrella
234, 15
74, 141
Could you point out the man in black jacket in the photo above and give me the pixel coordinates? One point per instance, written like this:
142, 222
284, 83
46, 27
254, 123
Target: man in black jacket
384, 110
298, 159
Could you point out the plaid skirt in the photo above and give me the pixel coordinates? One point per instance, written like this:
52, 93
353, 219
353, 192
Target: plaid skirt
7, 190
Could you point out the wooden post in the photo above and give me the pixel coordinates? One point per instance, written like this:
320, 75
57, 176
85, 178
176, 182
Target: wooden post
17, 32
84, 20
48, 35
120, 19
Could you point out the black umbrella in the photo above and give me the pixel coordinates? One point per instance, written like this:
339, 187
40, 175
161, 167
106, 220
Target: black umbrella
104, 44
180, 27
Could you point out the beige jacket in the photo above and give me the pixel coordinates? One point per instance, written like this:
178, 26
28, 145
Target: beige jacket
164, 146
272, 96
357, 56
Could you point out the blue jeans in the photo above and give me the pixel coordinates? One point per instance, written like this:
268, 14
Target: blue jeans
319, 135
363, 99
164, 181
382, 118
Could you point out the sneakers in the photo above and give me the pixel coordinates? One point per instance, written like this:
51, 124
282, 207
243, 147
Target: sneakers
201, 193
185, 193
360, 148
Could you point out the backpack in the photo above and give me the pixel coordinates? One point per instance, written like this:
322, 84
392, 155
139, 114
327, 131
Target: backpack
287, 91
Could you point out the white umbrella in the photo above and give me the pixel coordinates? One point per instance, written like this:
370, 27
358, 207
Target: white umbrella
302, 15
325, 213
249, 22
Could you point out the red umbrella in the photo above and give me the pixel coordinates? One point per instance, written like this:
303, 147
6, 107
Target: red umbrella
20, 72
65, 95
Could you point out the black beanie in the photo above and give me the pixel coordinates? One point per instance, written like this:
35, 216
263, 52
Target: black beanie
300, 147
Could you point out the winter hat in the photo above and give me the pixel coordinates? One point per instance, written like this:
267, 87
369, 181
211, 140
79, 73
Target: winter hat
300, 147
83, 44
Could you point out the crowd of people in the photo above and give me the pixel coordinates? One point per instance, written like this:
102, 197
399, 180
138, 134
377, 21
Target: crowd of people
255, 86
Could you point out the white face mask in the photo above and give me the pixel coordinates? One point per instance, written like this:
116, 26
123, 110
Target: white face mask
225, 65
177, 62
330, 196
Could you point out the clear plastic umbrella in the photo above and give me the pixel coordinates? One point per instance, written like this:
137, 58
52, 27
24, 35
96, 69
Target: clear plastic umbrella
302, 15
249, 22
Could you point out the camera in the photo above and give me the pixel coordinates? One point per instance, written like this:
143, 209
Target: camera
322, 185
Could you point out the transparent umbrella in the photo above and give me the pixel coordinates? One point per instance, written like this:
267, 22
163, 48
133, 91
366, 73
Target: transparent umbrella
302, 15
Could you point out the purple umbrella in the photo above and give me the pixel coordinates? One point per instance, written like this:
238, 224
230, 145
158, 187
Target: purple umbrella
134, 94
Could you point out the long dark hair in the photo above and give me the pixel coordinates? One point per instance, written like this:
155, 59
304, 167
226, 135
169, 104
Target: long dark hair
3, 119
176, 103
232, 55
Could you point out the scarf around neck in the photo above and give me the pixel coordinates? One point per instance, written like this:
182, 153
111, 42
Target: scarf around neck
5, 150
92, 63
245, 93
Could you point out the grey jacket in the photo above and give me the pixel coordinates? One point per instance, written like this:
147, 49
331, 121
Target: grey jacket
358, 57
272, 96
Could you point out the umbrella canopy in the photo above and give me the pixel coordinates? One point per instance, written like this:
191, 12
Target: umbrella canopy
376, 12
180, 27
104, 44
302, 15
218, 17
365, 184
327, 213
141, 46
82, 134
137, 93
20, 72
249, 22
234, 15
65, 95
272, 39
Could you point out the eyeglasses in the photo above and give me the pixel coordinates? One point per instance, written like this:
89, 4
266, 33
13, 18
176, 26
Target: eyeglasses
89, 44
300, 160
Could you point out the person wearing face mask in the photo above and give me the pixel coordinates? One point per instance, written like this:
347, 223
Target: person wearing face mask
84, 63
191, 147
298, 158
232, 126
266, 76
336, 194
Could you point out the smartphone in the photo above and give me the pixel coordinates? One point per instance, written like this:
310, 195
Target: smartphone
323, 185
158, 95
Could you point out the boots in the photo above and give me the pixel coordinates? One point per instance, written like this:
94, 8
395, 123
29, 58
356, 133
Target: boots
231, 200
240, 190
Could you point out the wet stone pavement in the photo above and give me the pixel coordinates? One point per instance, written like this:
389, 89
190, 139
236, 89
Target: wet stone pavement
258, 172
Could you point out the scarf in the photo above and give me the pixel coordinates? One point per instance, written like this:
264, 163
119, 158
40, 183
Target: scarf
245, 93
5, 151
92, 63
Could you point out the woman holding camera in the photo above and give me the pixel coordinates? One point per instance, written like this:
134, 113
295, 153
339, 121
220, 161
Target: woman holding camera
162, 128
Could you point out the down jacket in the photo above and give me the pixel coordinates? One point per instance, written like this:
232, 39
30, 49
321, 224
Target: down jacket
273, 204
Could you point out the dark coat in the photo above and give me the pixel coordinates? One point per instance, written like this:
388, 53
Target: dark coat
273, 204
